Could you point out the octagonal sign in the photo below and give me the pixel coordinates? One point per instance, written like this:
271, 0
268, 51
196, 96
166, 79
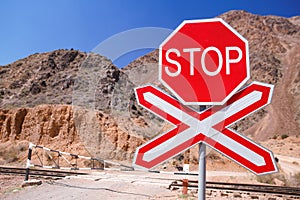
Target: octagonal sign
204, 62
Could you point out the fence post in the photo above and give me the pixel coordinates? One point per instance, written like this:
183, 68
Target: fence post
28, 161
58, 159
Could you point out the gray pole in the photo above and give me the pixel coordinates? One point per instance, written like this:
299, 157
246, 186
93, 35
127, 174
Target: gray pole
202, 171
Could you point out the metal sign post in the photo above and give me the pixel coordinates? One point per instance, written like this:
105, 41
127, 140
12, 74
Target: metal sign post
202, 167
202, 171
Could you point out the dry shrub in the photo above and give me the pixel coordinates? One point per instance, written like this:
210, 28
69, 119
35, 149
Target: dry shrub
270, 178
10, 154
284, 136
295, 180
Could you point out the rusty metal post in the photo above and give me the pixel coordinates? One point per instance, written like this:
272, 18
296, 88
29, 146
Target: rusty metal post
186, 169
185, 183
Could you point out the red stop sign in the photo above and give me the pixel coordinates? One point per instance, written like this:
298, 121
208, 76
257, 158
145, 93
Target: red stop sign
204, 62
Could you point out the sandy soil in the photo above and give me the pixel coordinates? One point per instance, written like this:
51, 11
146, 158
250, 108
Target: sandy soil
111, 185
114, 185
120, 185
10, 184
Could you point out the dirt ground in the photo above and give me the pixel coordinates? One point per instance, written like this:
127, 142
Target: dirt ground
101, 185
121, 185
110, 185
143, 185
10, 184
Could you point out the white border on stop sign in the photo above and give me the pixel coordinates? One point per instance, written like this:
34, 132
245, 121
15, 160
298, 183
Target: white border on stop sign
198, 21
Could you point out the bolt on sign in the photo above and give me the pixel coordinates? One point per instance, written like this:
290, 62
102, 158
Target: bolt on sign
205, 62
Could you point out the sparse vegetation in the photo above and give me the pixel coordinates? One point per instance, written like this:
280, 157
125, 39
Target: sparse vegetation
284, 136
13, 189
270, 178
182, 196
295, 163
297, 179
186, 196
294, 180
9, 154
22, 147
213, 156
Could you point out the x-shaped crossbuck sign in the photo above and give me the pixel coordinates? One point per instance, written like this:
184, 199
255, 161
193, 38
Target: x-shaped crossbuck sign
209, 126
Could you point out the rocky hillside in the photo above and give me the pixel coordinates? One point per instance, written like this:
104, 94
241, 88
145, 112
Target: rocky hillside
45, 78
274, 57
36, 90
36, 94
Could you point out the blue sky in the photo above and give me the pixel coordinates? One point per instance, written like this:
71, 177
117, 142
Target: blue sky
29, 26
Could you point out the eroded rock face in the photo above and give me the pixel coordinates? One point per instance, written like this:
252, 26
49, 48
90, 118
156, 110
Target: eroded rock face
54, 126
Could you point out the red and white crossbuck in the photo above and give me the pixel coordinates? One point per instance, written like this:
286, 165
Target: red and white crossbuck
209, 126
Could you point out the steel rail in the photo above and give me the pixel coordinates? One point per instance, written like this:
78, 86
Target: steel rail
38, 172
259, 188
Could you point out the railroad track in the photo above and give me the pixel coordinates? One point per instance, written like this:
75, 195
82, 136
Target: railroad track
38, 172
267, 189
